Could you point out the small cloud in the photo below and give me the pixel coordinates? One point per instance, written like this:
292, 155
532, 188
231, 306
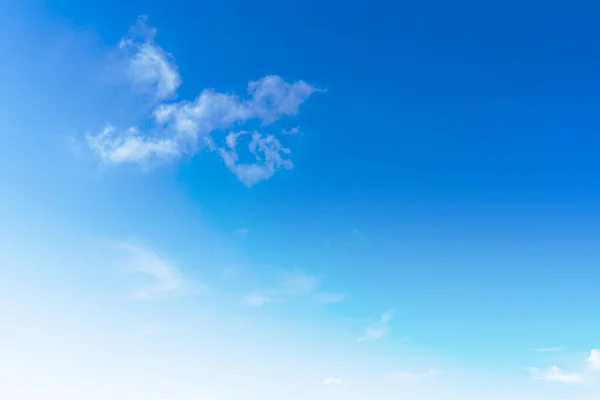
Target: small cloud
379, 329
594, 359
291, 284
269, 156
332, 381
413, 377
549, 349
167, 280
294, 131
326, 298
555, 374
240, 232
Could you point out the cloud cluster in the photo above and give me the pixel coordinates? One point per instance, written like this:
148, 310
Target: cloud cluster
184, 127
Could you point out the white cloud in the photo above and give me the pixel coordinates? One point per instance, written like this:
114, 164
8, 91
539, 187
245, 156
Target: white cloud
118, 147
332, 381
555, 374
413, 377
594, 359
325, 298
147, 64
167, 280
379, 329
185, 127
269, 156
294, 131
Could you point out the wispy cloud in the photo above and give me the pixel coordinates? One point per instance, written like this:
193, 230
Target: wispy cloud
379, 329
413, 377
294, 131
555, 374
147, 65
549, 349
259, 300
130, 145
185, 127
166, 279
290, 285
296, 283
326, 298
332, 381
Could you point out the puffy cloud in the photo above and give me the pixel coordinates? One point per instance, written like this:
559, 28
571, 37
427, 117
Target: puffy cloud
269, 156
116, 147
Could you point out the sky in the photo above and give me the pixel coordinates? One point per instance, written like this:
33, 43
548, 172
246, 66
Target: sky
299, 200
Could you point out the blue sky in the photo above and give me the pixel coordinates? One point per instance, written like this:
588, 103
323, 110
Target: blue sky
299, 200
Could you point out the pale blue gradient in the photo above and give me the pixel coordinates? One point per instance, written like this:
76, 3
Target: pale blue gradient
447, 175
